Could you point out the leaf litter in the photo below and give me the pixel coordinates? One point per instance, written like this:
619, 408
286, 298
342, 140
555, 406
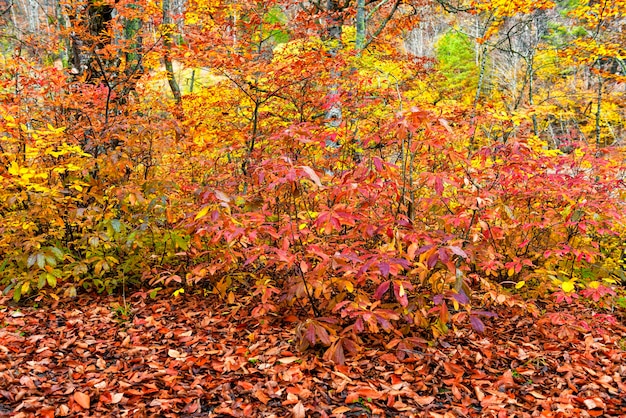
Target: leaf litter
197, 356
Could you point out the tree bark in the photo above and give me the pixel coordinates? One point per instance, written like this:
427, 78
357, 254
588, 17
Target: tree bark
167, 60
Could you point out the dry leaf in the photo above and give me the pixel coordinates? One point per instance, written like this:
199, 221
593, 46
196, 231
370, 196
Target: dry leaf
424, 400
261, 396
287, 360
341, 410
537, 395
298, 411
176, 354
82, 399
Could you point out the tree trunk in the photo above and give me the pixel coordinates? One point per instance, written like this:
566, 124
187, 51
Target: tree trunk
167, 60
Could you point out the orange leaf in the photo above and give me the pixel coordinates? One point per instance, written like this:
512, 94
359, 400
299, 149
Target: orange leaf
424, 400
261, 396
245, 385
352, 397
368, 393
82, 399
341, 410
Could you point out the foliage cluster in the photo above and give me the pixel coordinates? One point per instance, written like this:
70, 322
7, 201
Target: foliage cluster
403, 213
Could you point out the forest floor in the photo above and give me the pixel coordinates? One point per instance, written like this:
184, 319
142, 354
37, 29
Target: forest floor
197, 356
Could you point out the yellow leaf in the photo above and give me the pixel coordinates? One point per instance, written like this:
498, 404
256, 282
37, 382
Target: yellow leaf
401, 291
25, 287
567, 286
349, 286
14, 169
52, 281
520, 284
594, 284
202, 213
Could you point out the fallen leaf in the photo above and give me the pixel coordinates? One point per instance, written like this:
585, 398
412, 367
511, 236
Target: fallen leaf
176, 354
424, 400
352, 397
341, 410
593, 403
287, 360
261, 396
82, 399
298, 411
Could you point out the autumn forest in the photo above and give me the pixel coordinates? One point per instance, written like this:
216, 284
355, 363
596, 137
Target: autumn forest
322, 208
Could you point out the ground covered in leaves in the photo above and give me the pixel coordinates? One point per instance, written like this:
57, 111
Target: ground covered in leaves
196, 356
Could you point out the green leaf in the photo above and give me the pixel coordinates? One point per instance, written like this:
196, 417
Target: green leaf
57, 253
50, 260
32, 259
41, 260
52, 281
17, 293
116, 225
153, 292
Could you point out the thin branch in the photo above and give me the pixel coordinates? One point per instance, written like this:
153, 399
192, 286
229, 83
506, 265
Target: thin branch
383, 24
375, 9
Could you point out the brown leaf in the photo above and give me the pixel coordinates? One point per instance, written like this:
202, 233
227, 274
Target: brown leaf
287, 360
424, 400
261, 396
506, 381
82, 399
593, 403
537, 395
298, 411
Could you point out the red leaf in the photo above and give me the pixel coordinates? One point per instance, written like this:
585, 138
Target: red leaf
310, 334
477, 324
458, 251
382, 289
322, 334
384, 269
439, 185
